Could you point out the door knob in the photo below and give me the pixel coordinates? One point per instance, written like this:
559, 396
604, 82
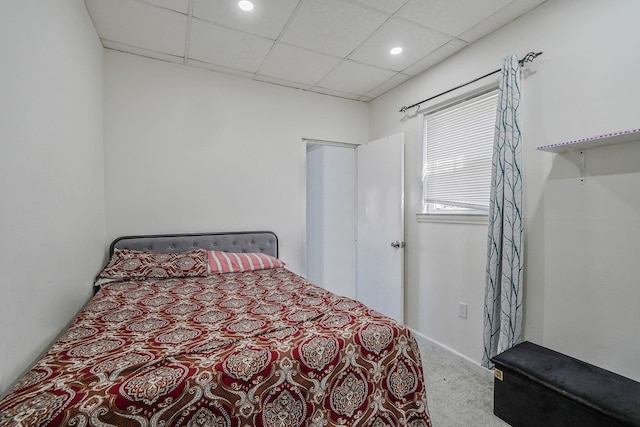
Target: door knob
395, 244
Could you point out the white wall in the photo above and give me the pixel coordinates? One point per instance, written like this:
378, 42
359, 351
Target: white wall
51, 174
581, 271
190, 150
339, 220
331, 214
315, 214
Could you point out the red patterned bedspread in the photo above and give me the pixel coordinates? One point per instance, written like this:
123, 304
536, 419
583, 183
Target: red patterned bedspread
258, 348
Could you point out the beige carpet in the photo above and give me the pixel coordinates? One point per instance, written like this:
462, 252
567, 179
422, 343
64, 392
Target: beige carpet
458, 395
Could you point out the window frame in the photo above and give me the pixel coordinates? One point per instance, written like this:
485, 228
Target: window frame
467, 216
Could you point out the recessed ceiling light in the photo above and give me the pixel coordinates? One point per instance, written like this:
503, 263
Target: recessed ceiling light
395, 50
245, 5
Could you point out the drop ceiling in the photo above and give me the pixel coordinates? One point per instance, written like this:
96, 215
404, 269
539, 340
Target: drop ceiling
334, 47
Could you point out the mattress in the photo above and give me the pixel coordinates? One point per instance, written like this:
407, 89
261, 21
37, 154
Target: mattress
256, 345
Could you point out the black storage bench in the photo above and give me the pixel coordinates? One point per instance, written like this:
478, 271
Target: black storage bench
535, 387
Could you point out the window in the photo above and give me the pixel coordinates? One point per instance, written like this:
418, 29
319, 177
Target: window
457, 155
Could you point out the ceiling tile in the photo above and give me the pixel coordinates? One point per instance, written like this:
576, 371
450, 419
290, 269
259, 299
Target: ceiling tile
436, 56
296, 64
416, 42
389, 6
394, 81
450, 17
499, 19
354, 77
267, 19
181, 6
226, 47
138, 24
334, 27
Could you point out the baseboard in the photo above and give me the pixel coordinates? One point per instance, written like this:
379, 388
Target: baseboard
481, 370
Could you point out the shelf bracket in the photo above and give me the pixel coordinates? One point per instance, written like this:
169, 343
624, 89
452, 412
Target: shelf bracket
581, 165
578, 159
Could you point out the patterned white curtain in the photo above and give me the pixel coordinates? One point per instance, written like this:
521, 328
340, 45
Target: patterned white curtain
503, 291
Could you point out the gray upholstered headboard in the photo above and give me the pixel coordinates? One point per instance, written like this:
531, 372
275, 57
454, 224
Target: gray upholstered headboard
251, 241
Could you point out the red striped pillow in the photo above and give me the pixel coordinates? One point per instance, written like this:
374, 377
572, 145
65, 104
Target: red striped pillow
230, 262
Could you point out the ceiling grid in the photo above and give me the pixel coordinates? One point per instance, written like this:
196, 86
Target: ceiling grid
335, 47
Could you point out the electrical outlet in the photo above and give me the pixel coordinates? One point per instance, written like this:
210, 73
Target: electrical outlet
462, 310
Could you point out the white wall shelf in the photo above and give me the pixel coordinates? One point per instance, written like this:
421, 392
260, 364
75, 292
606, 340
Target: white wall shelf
596, 141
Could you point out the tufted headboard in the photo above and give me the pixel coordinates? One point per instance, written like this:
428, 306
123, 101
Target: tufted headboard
251, 241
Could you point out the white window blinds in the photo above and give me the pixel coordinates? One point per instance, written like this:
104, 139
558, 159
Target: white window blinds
458, 147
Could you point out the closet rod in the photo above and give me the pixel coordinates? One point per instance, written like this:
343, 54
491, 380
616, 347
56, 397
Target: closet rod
529, 57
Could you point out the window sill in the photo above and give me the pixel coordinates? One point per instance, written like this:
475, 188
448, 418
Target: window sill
481, 219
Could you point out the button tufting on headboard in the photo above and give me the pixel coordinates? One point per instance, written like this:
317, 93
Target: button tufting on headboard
253, 241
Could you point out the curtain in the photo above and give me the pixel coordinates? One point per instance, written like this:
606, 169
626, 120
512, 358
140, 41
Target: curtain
503, 290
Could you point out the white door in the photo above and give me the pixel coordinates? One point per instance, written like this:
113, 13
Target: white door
380, 212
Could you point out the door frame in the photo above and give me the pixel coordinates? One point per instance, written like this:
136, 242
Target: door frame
354, 146
308, 142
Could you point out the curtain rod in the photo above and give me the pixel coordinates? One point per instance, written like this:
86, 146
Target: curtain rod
529, 57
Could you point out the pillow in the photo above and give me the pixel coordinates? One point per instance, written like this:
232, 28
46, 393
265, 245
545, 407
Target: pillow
130, 264
230, 262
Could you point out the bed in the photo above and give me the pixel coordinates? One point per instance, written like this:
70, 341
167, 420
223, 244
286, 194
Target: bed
213, 330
